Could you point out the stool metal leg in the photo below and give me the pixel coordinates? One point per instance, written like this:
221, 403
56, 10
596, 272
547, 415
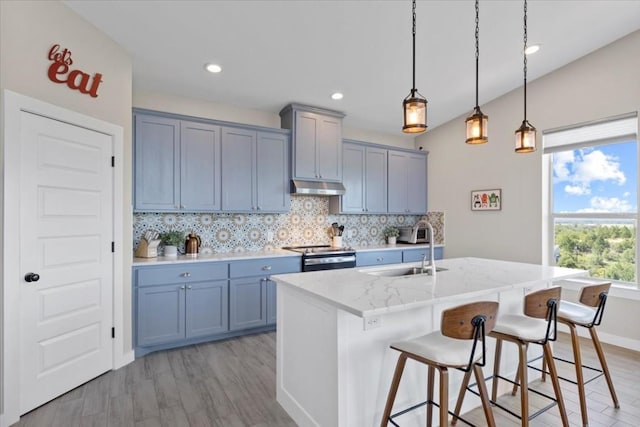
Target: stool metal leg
603, 364
553, 374
402, 360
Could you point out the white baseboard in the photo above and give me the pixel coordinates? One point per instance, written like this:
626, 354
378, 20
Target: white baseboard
616, 340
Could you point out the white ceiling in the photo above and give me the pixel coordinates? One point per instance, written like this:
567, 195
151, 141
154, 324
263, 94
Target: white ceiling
276, 52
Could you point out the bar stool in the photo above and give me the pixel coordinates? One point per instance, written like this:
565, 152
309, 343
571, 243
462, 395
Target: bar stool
587, 314
538, 325
454, 346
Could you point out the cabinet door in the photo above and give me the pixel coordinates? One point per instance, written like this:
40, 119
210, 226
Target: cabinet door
272, 302
272, 178
329, 149
353, 174
157, 166
378, 258
417, 183
238, 166
247, 303
206, 308
376, 180
305, 134
160, 314
397, 180
199, 167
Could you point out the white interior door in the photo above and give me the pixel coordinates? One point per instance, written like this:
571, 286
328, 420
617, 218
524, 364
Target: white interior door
66, 233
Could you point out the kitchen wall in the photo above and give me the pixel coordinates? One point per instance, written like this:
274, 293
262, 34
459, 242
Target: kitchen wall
28, 29
307, 223
158, 101
601, 84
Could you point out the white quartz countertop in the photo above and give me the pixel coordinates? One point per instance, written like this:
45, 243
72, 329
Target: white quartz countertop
229, 256
363, 294
237, 256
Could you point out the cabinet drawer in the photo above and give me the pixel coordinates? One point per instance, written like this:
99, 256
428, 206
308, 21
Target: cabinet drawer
378, 258
265, 266
185, 273
413, 255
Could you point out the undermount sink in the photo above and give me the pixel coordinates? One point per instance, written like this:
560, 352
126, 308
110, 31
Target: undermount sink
403, 271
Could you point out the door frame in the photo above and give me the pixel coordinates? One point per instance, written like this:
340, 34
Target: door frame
13, 104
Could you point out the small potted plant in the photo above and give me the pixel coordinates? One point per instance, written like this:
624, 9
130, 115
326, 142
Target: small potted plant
171, 240
391, 233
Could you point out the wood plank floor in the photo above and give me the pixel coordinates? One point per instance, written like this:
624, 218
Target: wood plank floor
232, 383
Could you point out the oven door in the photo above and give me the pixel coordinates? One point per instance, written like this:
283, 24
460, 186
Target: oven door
328, 262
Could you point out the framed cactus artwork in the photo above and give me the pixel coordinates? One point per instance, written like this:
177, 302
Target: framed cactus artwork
486, 200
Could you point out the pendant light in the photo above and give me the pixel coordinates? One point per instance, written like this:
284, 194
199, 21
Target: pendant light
414, 105
526, 133
477, 122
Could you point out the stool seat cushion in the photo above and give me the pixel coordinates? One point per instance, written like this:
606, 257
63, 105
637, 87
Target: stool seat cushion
523, 327
576, 313
440, 349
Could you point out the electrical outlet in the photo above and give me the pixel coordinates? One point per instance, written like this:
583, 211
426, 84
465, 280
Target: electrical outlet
269, 236
372, 322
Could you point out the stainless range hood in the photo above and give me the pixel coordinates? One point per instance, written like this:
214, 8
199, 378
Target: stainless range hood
315, 188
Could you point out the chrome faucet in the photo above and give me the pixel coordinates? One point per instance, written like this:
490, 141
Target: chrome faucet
431, 268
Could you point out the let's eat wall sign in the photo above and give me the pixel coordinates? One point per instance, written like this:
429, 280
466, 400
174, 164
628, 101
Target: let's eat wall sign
60, 71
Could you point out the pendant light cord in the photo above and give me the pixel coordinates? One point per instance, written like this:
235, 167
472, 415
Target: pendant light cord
413, 90
525, 60
477, 48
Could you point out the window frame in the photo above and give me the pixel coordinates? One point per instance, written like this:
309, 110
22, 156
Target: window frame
549, 216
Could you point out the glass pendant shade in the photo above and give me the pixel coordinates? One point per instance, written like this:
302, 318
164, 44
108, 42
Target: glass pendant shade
525, 138
477, 127
415, 113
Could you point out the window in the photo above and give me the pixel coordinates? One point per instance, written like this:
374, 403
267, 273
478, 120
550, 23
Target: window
593, 190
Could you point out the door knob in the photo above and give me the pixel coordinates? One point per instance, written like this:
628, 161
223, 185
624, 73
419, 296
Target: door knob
31, 277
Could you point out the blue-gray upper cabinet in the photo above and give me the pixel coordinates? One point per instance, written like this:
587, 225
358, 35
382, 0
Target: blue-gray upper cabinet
254, 171
157, 163
316, 142
177, 165
407, 180
364, 176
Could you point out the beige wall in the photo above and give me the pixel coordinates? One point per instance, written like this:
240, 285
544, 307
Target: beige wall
28, 29
602, 84
199, 108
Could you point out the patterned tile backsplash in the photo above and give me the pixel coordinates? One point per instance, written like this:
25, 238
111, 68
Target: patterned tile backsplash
307, 223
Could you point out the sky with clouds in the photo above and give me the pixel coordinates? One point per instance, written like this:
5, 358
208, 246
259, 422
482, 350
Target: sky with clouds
597, 179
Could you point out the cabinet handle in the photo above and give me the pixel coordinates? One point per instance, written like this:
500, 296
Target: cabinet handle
258, 208
380, 259
182, 206
189, 287
182, 287
186, 274
266, 268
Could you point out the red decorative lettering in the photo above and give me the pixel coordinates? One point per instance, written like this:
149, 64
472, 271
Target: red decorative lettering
77, 80
84, 80
57, 68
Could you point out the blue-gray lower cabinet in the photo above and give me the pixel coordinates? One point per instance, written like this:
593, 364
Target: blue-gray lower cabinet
413, 255
176, 303
378, 257
252, 294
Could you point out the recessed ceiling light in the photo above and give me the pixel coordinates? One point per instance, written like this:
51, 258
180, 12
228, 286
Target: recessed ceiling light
337, 95
213, 68
532, 49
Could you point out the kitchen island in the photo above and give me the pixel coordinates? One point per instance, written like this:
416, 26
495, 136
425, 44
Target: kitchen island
334, 364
